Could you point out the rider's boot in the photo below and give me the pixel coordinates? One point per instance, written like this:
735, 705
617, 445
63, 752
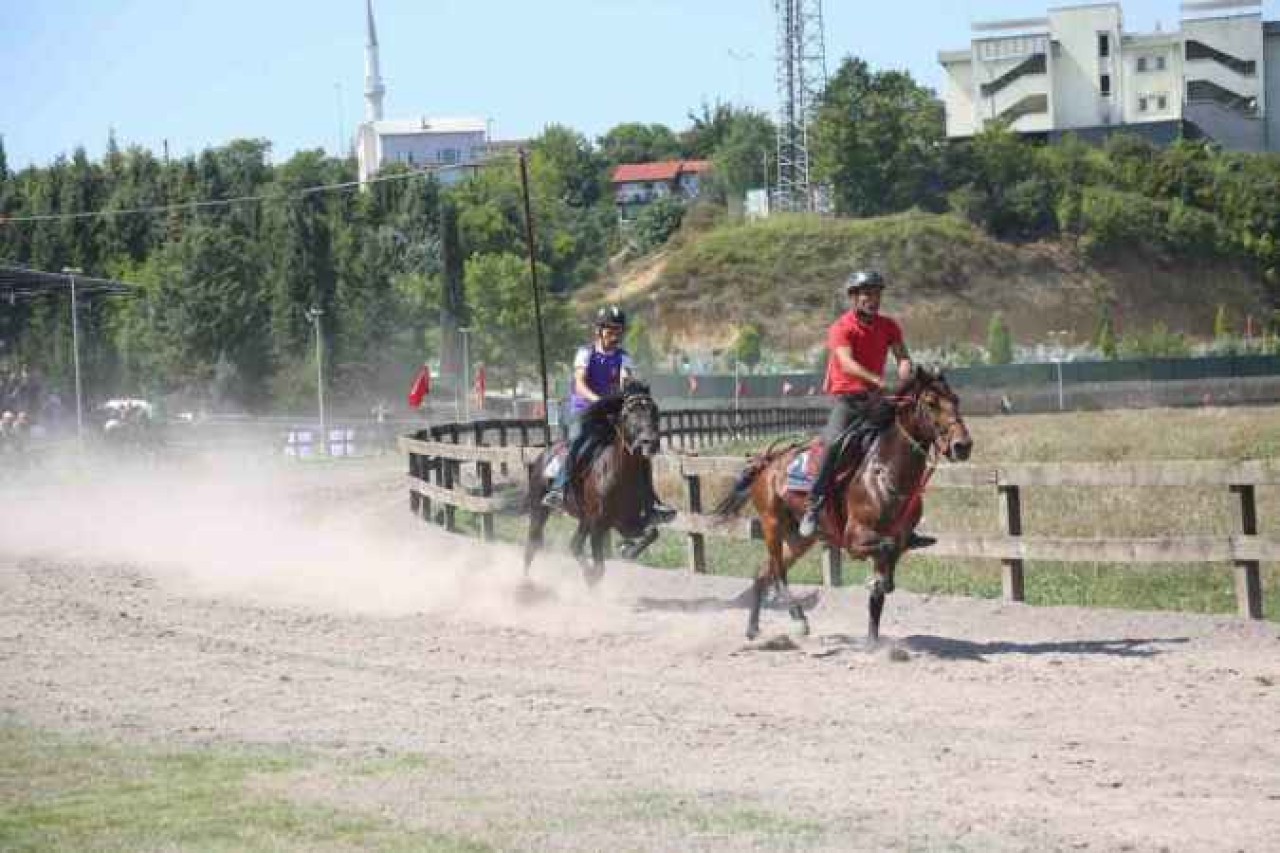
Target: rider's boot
812, 513
916, 540
554, 498
661, 513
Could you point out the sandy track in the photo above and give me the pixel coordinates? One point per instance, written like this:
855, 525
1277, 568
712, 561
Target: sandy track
633, 718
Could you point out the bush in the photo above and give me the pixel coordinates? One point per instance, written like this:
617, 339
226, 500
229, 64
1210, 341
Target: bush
657, 222
1191, 231
1160, 342
999, 341
1113, 220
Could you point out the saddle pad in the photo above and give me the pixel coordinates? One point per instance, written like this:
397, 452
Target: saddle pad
799, 477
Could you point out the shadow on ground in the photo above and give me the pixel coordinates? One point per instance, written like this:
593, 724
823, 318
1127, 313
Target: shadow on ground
953, 649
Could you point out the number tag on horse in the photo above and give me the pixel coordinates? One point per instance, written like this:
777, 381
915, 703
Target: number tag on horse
552, 468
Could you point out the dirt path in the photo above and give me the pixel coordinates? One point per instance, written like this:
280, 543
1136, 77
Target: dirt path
632, 718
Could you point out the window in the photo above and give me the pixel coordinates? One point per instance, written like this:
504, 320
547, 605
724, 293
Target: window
448, 156
1104, 84
1104, 44
1142, 105
1142, 63
1161, 102
1160, 60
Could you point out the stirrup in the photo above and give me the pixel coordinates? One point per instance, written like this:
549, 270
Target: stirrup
809, 523
660, 513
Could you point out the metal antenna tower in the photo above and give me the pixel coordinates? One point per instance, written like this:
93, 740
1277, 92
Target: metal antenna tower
802, 75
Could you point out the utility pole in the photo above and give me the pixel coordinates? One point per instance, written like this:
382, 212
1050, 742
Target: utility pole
537, 298
801, 76
314, 314
71, 273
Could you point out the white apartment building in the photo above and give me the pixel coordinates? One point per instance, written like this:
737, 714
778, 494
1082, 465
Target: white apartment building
1078, 71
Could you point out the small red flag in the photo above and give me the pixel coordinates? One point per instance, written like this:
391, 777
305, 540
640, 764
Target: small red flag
480, 386
787, 388
420, 388
742, 388
693, 385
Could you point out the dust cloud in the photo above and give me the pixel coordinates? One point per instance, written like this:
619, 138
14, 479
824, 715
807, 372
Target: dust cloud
332, 537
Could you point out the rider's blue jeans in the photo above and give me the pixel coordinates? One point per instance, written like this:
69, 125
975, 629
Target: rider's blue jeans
577, 437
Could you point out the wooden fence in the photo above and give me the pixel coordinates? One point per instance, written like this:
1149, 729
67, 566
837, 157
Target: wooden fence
440, 453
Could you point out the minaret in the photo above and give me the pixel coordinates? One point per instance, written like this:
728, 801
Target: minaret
373, 88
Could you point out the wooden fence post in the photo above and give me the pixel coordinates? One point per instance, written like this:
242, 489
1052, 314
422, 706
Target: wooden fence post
832, 566
697, 541
1248, 574
415, 499
1011, 577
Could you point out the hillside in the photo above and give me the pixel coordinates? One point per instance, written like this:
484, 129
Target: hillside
946, 276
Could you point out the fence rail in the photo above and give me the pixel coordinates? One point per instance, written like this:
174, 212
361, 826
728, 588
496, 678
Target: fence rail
440, 453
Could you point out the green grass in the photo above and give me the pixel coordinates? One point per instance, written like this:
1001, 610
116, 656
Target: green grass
1148, 435
65, 795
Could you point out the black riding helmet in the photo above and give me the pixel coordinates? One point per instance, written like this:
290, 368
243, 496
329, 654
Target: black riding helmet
611, 315
863, 280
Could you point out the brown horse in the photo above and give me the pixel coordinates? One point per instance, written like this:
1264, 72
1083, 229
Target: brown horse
610, 489
871, 511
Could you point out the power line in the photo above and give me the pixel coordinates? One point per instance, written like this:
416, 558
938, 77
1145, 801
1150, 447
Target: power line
227, 202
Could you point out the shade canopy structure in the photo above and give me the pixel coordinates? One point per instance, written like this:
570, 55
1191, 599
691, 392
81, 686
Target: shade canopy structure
22, 282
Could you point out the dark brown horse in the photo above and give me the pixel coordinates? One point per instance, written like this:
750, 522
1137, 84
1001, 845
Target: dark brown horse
610, 490
872, 510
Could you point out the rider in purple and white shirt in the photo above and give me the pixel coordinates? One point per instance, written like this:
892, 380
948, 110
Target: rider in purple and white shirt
599, 370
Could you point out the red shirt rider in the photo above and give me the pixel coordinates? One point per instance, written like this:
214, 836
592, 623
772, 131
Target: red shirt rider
868, 341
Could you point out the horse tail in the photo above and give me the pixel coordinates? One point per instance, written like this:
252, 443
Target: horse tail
741, 491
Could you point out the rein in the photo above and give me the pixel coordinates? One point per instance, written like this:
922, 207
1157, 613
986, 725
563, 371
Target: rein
930, 454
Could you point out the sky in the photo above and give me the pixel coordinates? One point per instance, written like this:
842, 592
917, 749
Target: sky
199, 73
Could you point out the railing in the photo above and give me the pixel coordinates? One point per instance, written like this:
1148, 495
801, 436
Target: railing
1245, 549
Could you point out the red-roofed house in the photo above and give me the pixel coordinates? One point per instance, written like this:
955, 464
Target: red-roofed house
637, 184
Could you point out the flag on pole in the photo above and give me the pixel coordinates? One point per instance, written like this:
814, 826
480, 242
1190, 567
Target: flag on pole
480, 386
420, 388
693, 385
787, 388
742, 387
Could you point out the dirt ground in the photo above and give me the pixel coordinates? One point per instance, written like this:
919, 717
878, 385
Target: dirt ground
308, 609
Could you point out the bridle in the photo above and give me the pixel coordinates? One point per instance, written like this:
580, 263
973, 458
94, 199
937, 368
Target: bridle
632, 404
936, 445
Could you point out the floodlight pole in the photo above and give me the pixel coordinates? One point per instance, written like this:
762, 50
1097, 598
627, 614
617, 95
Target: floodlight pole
537, 299
314, 314
71, 273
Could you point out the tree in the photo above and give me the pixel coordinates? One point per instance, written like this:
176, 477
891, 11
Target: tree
634, 142
567, 168
999, 341
657, 222
1221, 324
743, 155
748, 346
878, 140
640, 344
1105, 339
503, 319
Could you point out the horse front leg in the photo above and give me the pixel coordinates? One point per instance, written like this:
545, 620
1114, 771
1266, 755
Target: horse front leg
879, 585
578, 542
533, 540
595, 571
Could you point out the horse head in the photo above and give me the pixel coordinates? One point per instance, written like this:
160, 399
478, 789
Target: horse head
931, 414
638, 420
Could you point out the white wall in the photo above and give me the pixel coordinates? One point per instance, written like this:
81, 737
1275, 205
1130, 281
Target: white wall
1078, 67
1153, 82
959, 95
